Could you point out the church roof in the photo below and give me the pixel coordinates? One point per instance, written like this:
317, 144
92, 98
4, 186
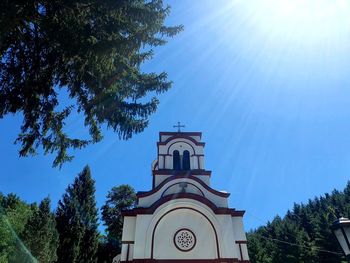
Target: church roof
180, 134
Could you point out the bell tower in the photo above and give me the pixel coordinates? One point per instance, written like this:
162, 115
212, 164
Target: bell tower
179, 153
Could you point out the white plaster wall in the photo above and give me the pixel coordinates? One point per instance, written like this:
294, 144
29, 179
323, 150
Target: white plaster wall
204, 178
194, 162
158, 179
201, 162
124, 252
228, 241
143, 237
239, 235
129, 228
238, 228
174, 189
164, 247
128, 234
160, 162
245, 251
168, 162
131, 251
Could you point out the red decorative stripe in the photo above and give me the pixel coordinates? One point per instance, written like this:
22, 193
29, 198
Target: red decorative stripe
181, 172
219, 260
127, 253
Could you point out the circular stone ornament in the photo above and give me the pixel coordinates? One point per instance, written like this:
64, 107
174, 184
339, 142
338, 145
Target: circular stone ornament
184, 239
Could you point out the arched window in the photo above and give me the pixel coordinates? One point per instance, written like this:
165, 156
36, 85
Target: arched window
186, 161
176, 160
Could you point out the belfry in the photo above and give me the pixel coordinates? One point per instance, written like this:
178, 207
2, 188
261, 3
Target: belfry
183, 219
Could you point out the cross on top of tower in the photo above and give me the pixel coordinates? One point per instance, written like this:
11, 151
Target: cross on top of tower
179, 126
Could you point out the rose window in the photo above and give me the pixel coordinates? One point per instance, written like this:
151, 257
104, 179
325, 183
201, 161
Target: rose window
184, 239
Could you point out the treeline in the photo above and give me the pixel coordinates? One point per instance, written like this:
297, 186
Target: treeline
33, 233
303, 235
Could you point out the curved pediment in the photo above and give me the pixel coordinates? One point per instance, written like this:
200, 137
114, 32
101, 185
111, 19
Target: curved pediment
182, 184
173, 197
182, 176
182, 187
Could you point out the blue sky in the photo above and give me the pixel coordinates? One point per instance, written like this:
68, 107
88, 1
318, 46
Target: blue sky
267, 84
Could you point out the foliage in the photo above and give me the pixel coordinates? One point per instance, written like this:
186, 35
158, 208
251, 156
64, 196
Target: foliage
40, 235
14, 214
107, 250
304, 234
119, 198
76, 218
88, 49
27, 232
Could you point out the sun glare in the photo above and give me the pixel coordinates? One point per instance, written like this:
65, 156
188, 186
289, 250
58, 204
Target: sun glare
296, 20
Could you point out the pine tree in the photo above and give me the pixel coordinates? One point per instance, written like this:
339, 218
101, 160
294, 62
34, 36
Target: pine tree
14, 214
76, 219
119, 198
40, 234
304, 235
91, 51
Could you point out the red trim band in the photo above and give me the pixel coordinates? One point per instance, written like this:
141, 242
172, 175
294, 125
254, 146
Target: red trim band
181, 172
219, 260
128, 242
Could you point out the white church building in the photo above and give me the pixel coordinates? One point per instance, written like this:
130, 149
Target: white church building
183, 219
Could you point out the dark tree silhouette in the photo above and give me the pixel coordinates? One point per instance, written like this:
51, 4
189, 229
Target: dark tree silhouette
76, 218
91, 50
119, 198
304, 234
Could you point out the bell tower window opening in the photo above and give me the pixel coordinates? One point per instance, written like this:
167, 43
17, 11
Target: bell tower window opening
181, 162
176, 160
186, 161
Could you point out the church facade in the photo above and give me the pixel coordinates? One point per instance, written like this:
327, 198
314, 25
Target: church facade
183, 219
